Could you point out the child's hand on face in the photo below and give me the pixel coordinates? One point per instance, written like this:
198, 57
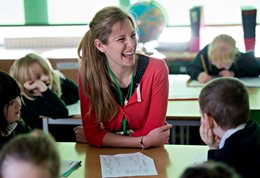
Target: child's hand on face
204, 77
226, 73
208, 136
35, 87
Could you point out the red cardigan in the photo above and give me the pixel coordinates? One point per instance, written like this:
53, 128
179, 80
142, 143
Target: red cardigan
142, 116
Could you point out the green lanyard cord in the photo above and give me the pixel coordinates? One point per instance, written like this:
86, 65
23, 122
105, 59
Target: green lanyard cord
117, 85
124, 125
124, 121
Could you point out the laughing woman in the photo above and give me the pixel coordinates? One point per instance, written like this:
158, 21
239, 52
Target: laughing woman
123, 94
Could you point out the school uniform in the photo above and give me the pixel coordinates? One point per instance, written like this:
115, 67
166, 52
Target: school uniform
70, 95
245, 65
13, 130
49, 104
69, 89
241, 151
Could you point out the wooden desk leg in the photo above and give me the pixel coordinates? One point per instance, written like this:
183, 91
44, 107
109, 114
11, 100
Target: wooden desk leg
45, 125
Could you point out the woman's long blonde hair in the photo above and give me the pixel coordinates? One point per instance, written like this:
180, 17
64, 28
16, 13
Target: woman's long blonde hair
92, 62
20, 70
223, 49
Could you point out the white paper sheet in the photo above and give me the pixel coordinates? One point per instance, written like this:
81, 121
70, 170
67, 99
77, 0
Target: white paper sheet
74, 109
133, 164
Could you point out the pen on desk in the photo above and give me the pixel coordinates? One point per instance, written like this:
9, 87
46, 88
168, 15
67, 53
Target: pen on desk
203, 63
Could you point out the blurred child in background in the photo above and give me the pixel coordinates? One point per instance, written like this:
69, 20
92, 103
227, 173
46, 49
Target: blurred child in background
30, 156
221, 58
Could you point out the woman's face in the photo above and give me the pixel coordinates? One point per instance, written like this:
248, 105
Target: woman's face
12, 110
37, 73
121, 47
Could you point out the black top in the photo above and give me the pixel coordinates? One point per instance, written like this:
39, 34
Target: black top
20, 129
245, 65
49, 104
241, 151
69, 89
143, 62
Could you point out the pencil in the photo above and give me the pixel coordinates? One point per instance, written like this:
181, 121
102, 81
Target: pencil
203, 63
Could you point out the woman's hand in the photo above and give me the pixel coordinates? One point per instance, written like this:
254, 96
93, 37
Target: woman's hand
35, 87
80, 136
204, 77
158, 136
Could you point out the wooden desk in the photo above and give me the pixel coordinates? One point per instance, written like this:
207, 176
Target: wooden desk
183, 113
170, 160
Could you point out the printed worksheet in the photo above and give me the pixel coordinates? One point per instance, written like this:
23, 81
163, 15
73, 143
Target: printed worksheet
133, 164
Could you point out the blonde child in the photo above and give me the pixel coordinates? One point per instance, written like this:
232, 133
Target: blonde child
221, 58
45, 92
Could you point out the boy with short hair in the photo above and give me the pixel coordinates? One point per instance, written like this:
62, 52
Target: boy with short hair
225, 127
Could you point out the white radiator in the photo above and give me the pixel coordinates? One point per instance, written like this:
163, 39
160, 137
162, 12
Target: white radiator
42, 42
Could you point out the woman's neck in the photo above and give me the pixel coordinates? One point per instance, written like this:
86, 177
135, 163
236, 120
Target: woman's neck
123, 75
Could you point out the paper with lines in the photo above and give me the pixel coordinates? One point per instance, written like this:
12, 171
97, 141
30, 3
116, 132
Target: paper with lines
132, 164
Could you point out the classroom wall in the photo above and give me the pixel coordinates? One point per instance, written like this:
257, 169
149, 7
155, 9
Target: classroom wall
68, 66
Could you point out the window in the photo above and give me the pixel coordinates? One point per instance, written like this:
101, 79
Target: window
70, 18
11, 12
76, 11
66, 12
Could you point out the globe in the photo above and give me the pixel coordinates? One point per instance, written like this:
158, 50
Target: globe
150, 19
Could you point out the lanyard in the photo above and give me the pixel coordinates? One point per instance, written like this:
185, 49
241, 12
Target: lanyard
121, 97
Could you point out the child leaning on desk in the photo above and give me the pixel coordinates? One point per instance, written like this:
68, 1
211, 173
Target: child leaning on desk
11, 124
221, 58
33, 155
123, 95
45, 92
225, 127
